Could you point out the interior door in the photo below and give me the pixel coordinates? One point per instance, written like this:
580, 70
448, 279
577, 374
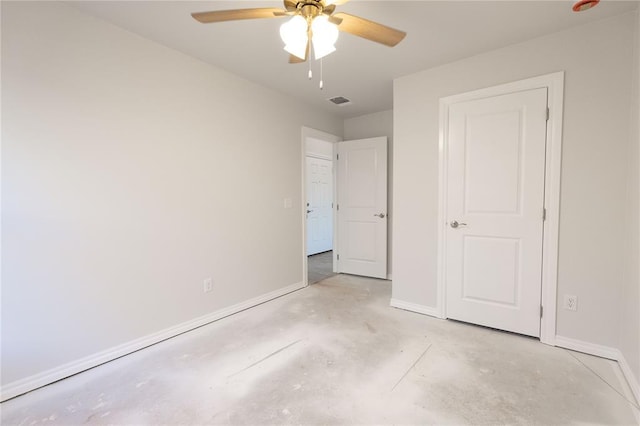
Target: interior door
495, 200
319, 205
362, 207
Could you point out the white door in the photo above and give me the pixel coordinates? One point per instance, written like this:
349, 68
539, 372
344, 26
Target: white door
495, 200
319, 205
362, 207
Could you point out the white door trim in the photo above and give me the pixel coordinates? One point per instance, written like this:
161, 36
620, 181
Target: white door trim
555, 85
308, 132
319, 156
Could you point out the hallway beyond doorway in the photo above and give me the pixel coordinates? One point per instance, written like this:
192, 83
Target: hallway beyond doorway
320, 266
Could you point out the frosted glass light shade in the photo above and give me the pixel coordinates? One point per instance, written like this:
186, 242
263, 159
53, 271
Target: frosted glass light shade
294, 35
325, 35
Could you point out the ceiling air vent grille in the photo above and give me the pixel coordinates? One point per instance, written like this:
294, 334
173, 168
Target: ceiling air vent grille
340, 100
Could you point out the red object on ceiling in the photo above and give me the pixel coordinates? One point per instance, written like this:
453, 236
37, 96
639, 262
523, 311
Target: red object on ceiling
583, 5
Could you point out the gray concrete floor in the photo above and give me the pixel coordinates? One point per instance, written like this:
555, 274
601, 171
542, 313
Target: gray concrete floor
320, 266
336, 353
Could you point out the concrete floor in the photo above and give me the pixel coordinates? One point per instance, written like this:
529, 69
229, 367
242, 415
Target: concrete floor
336, 353
320, 266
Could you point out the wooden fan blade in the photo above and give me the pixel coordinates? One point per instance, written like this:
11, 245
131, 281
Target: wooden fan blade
293, 59
328, 10
237, 14
291, 5
367, 29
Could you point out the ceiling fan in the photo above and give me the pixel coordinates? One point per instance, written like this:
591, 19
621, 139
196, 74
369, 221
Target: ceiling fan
313, 21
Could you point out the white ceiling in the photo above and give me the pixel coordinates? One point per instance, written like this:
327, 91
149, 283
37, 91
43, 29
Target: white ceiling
360, 70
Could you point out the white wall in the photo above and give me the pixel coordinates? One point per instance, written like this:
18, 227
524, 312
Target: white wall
131, 172
597, 59
369, 126
630, 308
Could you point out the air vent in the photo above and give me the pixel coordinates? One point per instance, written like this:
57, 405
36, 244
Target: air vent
340, 100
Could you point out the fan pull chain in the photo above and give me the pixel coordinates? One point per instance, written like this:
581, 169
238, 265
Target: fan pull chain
321, 82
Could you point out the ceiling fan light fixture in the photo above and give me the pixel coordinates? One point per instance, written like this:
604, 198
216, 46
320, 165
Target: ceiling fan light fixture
325, 35
312, 22
294, 35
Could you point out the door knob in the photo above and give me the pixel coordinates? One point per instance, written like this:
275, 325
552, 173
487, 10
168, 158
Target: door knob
380, 215
309, 211
455, 224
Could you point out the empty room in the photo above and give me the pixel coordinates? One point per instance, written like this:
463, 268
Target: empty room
320, 212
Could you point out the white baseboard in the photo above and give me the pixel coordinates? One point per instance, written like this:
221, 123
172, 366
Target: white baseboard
30, 383
632, 380
587, 348
603, 352
414, 307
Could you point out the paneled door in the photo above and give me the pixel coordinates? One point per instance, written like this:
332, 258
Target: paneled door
319, 205
362, 207
494, 206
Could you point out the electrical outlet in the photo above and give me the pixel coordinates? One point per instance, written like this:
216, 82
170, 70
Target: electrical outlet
207, 285
571, 302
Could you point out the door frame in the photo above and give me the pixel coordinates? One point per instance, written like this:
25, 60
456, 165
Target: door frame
308, 132
554, 83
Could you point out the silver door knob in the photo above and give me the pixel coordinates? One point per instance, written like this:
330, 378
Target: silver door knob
455, 224
380, 215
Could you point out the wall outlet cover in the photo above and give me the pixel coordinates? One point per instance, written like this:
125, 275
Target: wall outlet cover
570, 302
207, 285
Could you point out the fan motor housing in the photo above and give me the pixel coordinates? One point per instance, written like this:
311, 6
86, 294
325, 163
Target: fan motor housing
310, 9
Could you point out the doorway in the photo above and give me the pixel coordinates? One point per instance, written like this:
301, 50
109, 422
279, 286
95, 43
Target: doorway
319, 177
319, 217
318, 196
358, 221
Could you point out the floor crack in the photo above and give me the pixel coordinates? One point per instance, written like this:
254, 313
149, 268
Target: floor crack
411, 368
266, 357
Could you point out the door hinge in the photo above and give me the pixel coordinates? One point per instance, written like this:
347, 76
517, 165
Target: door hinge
541, 311
337, 156
338, 257
548, 113
338, 207
331, 205
544, 214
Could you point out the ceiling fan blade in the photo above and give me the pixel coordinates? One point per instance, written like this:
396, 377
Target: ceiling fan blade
367, 29
293, 59
237, 14
328, 10
291, 5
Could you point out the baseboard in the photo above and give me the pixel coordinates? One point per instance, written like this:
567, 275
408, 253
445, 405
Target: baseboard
603, 352
414, 307
632, 380
587, 348
30, 383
